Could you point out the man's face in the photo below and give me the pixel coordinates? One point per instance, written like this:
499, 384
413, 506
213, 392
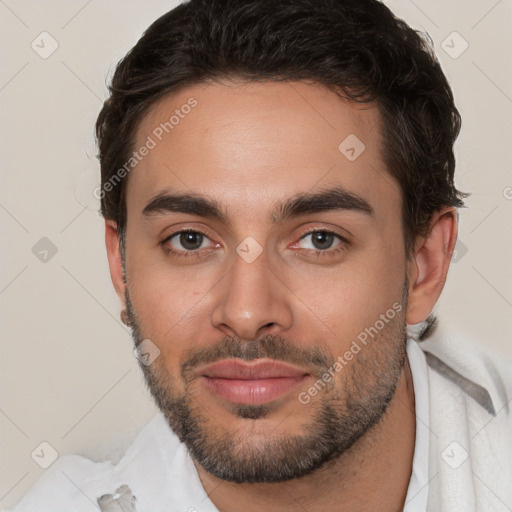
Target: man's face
277, 296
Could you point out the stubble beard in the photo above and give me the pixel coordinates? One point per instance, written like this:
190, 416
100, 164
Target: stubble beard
338, 416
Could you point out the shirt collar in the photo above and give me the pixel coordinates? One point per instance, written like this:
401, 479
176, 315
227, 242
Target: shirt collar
465, 364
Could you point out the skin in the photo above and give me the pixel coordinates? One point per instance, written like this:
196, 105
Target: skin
250, 146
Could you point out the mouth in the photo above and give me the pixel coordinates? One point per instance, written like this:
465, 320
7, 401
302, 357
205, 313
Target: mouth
251, 383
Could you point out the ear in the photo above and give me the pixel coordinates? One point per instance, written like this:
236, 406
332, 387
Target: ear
114, 259
429, 265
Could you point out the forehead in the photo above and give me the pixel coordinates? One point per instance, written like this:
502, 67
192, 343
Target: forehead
251, 145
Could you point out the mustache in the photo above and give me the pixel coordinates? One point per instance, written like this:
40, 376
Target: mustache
268, 346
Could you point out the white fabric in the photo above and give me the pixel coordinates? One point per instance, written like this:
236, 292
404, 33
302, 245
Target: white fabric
470, 400
462, 405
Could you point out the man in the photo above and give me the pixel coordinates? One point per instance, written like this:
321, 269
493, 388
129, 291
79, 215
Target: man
280, 212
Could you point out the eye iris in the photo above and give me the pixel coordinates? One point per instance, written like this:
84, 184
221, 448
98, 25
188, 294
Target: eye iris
323, 239
188, 239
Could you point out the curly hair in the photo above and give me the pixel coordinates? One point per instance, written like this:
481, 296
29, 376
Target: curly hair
356, 48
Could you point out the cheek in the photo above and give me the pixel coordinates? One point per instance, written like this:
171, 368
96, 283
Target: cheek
352, 297
170, 306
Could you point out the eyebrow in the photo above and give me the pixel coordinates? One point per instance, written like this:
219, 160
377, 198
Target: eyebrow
331, 199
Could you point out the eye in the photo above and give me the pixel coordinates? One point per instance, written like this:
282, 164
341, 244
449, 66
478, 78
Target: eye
321, 241
185, 242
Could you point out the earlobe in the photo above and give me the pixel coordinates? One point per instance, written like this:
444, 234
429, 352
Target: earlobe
114, 259
429, 265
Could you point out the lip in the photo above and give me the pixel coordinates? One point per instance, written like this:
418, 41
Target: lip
251, 383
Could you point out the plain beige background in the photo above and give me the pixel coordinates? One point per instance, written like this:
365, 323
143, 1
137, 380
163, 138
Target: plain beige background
68, 374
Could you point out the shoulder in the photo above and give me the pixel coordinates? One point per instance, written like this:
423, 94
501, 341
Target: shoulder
60, 486
74, 482
470, 451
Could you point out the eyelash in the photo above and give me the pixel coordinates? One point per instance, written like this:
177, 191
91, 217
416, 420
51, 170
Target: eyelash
182, 254
197, 252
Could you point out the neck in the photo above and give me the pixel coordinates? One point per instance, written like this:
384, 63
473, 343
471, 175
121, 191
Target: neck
372, 475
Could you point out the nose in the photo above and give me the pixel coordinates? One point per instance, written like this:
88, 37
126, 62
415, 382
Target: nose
252, 300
